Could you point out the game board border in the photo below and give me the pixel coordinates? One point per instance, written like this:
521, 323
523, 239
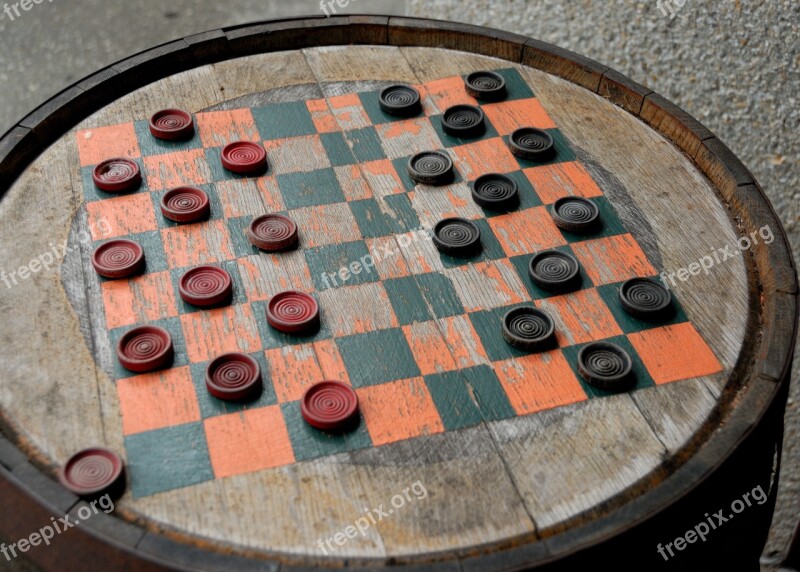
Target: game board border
759, 380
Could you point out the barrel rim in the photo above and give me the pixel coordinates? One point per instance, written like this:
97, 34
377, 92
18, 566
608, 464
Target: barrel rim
758, 377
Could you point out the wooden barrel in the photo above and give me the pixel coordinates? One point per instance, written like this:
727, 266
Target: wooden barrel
469, 453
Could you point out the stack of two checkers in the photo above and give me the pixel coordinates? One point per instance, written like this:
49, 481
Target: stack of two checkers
527, 328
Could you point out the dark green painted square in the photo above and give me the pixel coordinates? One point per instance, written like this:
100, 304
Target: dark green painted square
280, 120
377, 357
453, 392
239, 295
527, 195
563, 154
610, 223
521, 264
172, 325
210, 406
492, 249
492, 399
640, 372
314, 188
386, 216
366, 144
423, 297
150, 145
213, 199
450, 141
219, 173
309, 443
337, 149
516, 86
453, 401
154, 258
326, 260
272, 338
488, 325
370, 101
401, 168
167, 459
92, 193
610, 295
237, 230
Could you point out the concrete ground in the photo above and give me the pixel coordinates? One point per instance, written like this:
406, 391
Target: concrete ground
733, 65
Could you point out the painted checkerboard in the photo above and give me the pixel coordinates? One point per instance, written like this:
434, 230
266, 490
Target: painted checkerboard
418, 336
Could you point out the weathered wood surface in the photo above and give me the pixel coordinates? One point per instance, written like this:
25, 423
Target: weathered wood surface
526, 476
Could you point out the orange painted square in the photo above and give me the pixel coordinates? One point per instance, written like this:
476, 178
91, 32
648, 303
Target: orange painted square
448, 92
213, 332
218, 128
430, 350
482, 157
195, 244
508, 116
138, 300
613, 259
128, 214
177, 169
354, 186
674, 352
527, 231
248, 441
552, 182
295, 368
242, 197
394, 266
349, 112
445, 345
100, 143
580, 317
540, 381
321, 115
382, 178
157, 400
398, 410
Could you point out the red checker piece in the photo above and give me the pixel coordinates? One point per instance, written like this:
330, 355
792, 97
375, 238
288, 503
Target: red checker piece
146, 348
329, 405
117, 175
293, 312
172, 124
94, 472
206, 286
118, 259
185, 204
273, 232
244, 157
233, 377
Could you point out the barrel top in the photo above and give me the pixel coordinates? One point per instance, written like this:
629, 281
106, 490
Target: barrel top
483, 444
